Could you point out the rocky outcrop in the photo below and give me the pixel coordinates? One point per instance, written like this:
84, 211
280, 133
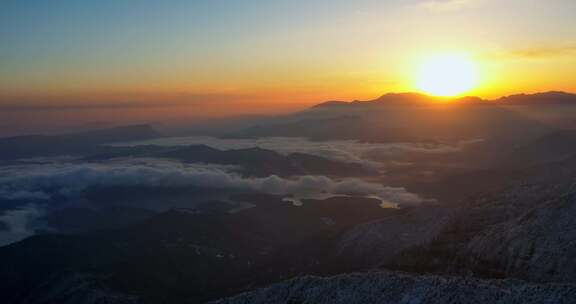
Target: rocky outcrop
391, 288
526, 231
371, 244
72, 288
538, 245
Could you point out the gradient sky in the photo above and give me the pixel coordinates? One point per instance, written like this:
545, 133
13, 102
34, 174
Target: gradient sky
81, 52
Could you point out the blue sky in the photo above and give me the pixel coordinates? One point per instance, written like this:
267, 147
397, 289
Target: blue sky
262, 47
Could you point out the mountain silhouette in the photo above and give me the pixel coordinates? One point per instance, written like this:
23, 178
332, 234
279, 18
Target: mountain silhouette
418, 99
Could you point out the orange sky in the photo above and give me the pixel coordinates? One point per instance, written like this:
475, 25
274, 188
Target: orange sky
260, 56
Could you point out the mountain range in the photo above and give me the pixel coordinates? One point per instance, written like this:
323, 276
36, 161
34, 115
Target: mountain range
72, 143
418, 99
500, 228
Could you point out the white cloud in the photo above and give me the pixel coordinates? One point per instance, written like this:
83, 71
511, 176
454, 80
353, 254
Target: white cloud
70, 179
20, 223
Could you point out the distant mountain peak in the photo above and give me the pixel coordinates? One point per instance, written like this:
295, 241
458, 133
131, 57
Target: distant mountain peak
550, 97
332, 103
406, 95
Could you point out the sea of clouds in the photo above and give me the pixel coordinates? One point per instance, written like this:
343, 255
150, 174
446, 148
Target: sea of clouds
43, 181
36, 185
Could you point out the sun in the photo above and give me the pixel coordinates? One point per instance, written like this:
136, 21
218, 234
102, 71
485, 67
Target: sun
447, 75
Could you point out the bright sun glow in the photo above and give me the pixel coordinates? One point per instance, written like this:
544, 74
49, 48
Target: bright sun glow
447, 75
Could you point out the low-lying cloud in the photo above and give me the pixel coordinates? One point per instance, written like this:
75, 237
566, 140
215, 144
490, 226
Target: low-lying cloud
19, 223
41, 182
36, 187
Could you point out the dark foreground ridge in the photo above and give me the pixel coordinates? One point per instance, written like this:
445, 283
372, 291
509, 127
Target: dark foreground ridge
395, 288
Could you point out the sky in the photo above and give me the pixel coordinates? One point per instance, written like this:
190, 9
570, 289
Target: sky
256, 54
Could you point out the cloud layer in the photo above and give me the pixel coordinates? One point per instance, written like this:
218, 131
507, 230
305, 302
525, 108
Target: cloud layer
19, 223
40, 185
41, 182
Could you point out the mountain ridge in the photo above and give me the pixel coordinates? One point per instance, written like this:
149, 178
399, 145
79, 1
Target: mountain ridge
415, 99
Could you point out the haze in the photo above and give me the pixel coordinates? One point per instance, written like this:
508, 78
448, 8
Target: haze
287, 152
185, 59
